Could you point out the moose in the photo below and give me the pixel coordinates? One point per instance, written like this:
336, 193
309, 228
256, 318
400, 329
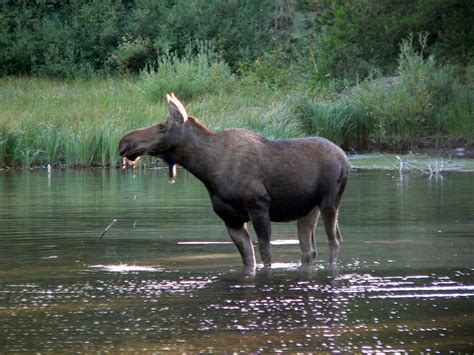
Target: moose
250, 178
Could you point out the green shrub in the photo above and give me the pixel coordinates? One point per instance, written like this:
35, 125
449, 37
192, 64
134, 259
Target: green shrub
78, 38
133, 54
194, 75
353, 38
457, 116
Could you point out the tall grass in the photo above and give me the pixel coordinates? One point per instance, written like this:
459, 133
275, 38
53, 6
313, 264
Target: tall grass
75, 123
79, 123
326, 119
267, 113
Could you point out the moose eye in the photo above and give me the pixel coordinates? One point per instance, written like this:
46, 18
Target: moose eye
161, 127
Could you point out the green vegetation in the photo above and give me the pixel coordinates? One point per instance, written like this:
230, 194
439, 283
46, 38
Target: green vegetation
281, 40
77, 38
424, 100
79, 122
76, 75
190, 75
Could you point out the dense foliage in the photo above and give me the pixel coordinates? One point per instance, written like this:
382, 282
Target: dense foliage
320, 38
356, 37
65, 38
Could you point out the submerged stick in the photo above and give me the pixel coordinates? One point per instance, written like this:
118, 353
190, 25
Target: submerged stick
107, 228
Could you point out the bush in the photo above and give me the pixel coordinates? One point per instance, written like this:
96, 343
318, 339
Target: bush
67, 39
133, 54
191, 76
353, 38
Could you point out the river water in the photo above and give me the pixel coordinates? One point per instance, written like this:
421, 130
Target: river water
163, 277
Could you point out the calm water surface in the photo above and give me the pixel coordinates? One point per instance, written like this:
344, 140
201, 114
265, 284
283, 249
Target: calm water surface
404, 282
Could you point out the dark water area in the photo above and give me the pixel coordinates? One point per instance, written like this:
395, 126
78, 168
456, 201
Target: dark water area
404, 280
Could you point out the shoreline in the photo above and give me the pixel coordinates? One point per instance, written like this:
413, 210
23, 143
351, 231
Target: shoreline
418, 163
412, 163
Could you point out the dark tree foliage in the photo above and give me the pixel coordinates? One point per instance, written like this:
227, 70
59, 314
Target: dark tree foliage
355, 37
332, 38
66, 38
60, 38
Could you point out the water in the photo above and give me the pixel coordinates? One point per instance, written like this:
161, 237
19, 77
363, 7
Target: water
158, 281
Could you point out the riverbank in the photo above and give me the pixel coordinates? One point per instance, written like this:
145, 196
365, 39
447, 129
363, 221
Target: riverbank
78, 123
413, 163
423, 164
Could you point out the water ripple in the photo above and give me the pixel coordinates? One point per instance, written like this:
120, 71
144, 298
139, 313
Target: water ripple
411, 286
124, 268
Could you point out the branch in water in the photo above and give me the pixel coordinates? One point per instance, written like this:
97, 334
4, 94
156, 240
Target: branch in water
107, 228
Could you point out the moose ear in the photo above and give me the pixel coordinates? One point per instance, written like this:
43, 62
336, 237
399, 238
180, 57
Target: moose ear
177, 110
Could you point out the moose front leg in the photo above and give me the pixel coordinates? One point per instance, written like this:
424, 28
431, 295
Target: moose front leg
241, 239
261, 224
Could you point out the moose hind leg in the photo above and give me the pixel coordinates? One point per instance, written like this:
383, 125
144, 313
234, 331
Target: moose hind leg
331, 227
241, 239
306, 230
339, 236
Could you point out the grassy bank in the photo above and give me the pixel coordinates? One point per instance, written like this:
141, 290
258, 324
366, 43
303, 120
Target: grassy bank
73, 123
79, 122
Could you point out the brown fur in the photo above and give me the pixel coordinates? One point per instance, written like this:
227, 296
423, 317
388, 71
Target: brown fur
250, 178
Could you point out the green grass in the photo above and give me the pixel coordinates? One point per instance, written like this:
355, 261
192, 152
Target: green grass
426, 100
327, 119
191, 76
80, 122
74, 123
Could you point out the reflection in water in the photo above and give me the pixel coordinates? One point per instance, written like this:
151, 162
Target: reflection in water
124, 268
404, 282
418, 286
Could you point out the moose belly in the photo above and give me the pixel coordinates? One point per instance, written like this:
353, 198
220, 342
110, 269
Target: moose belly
289, 209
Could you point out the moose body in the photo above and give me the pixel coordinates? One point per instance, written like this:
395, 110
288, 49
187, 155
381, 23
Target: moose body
250, 178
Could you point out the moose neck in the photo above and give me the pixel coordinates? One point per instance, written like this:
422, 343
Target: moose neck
198, 152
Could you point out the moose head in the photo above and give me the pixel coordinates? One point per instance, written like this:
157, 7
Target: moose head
158, 139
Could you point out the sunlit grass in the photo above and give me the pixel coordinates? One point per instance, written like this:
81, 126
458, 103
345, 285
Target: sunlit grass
73, 123
79, 123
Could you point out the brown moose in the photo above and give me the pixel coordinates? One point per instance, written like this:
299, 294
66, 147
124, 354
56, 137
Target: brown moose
250, 178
